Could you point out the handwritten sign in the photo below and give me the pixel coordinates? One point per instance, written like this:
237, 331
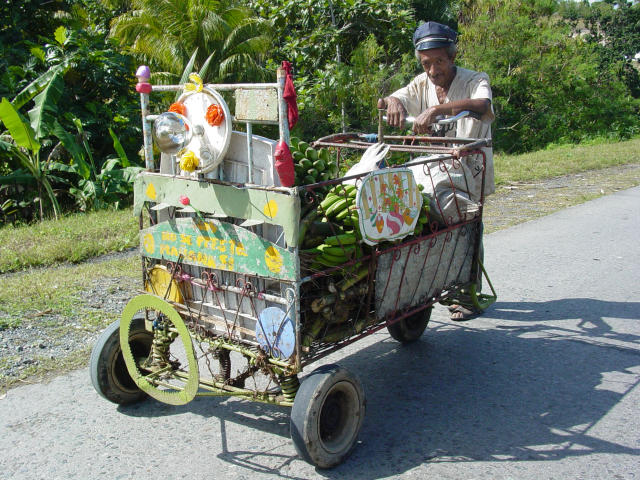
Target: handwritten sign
388, 203
217, 245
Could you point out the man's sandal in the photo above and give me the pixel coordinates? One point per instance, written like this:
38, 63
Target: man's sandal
462, 314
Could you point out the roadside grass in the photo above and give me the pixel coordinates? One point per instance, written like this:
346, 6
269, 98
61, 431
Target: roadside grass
563, 160
57, 306
73, 238
43, 368
37, 295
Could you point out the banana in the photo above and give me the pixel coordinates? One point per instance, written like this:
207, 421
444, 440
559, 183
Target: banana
346, 212
325, 229
329, 200
342, 239
344, 190
336, 208
349, 282
311, 154
352, 220
315, 328
306, 163
319, 165
329, 262
305, 224
336, 251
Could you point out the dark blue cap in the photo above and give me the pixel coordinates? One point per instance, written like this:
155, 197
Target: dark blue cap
433, 35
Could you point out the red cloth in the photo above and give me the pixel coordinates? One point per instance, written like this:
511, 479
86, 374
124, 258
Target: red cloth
289, 95
284, 164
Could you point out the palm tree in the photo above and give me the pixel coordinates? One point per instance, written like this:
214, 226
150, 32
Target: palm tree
165, 33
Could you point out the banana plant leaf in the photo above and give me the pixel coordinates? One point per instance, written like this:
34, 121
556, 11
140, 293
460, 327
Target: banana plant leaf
20, 131
35, 87
45, 110
124, 160
69, 142
18, 177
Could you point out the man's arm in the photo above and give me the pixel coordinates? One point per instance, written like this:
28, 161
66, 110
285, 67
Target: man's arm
396, 113
424, 121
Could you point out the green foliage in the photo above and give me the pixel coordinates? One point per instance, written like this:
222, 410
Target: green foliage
550, 88
356, 85
94, 188
614, 31
164, 35
345, 54
25, 148
84, 66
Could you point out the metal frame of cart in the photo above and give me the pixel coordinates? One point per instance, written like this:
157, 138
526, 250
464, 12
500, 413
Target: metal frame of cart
227, 297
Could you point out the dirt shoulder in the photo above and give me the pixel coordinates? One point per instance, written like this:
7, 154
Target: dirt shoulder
520, 202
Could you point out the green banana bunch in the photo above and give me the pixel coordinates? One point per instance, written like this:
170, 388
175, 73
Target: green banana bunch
311, 165
423, 217
338, 200
338, 215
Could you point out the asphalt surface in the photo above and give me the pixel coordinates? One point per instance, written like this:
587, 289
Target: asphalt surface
543, 386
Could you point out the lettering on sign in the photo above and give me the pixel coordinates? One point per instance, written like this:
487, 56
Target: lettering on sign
216, 245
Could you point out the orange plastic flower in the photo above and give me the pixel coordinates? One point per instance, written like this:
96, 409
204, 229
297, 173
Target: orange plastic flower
214, 115
178, 107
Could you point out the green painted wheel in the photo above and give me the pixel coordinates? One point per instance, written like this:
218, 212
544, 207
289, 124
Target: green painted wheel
161, 377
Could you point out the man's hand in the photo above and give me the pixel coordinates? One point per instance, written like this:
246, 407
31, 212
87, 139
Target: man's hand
396, 113
425, 121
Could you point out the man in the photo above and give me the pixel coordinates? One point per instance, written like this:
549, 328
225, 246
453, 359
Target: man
445, 90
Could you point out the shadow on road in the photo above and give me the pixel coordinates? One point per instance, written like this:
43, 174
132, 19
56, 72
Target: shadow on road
465, 394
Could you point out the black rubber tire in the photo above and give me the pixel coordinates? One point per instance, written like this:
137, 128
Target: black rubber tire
411, 328
327, 414
107, 367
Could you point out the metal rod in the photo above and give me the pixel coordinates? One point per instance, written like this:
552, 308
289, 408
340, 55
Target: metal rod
283, 109
237, 290
217, 389
249, 153
146, 132
217, 86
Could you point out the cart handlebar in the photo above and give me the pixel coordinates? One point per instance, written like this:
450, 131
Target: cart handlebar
441, 120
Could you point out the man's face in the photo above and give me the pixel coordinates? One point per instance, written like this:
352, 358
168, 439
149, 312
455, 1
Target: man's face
438, 65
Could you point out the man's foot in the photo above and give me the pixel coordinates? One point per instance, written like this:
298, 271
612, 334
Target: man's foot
462, 314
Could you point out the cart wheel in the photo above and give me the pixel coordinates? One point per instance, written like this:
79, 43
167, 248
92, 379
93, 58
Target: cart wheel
107, 367
410, 329
327, 415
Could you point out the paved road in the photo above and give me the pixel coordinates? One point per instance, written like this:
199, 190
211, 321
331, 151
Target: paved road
544, 386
